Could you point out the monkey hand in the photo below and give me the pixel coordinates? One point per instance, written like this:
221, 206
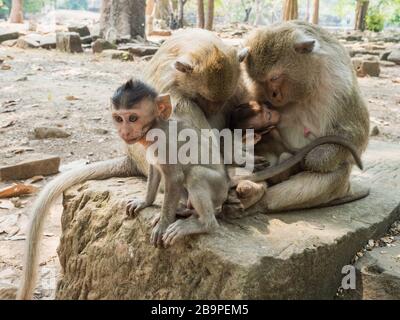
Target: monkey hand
134, 206
325, 158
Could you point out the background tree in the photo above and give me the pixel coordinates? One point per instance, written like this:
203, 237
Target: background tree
200, 14
315, 16
181, 5
361, 13
121, 18
210, 15
16, 14
290, 10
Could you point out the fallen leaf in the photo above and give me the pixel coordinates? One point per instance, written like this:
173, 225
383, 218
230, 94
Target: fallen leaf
16, 190
397, 80
71, 98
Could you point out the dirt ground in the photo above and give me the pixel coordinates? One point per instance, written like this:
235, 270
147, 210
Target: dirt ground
39, 83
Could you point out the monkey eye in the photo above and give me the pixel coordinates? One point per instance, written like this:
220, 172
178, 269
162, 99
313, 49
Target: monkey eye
117, 119
132, 118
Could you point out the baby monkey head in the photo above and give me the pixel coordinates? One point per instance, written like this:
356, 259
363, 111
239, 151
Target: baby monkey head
136, 108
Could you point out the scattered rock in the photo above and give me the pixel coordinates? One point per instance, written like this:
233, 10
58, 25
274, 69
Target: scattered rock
5, 66
366, 67
32, 165
50, 132
100, 131
83, 31
25, 78
100, 45
5, 36
387, 64
117, 54
375, 131
384, 55
68, 42
394, 56
48, 41
10, 43
139, 50
86, 40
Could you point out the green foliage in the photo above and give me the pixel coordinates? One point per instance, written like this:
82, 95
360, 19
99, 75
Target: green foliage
75, 5
34, 6
375, 20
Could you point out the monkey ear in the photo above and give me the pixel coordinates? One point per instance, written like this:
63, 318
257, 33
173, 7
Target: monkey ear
243, 53
306, 46
183, 66
164, 106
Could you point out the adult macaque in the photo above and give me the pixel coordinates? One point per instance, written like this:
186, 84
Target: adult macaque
137, 109
200, 73
307, 74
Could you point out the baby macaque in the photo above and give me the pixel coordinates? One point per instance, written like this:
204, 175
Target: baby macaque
264, 121
137, 109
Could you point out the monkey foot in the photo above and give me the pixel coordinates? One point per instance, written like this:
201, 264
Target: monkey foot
183, 227
250, 192
156, 237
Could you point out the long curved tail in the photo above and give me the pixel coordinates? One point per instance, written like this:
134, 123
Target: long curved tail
105, 169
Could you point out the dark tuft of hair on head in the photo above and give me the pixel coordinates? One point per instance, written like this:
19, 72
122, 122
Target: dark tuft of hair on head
131, 93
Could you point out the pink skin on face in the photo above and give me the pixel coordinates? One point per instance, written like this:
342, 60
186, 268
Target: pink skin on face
132, 124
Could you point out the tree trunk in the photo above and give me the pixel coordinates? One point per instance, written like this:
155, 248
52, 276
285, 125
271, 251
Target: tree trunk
290, 10
210, 15
308, 11
150, 13
315, 16
361, 13
258, 12
16, 14
200, 14
122, 18
163, 10
181, 5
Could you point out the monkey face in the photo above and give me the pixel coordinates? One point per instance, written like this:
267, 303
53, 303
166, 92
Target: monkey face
283, 62
134, 123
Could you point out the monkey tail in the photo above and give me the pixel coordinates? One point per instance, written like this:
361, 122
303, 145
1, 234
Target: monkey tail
297, 158
123, 166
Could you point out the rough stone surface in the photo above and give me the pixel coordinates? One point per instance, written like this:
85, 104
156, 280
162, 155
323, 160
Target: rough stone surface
293, 255
50, 132
34, 165
4, 36
27, 42
69, 42
117, 54
83, 31
138, 49
394, 56
378, 274
100, 44
366, 67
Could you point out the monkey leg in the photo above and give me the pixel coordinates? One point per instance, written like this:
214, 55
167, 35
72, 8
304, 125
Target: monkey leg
201, 195
306, 190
